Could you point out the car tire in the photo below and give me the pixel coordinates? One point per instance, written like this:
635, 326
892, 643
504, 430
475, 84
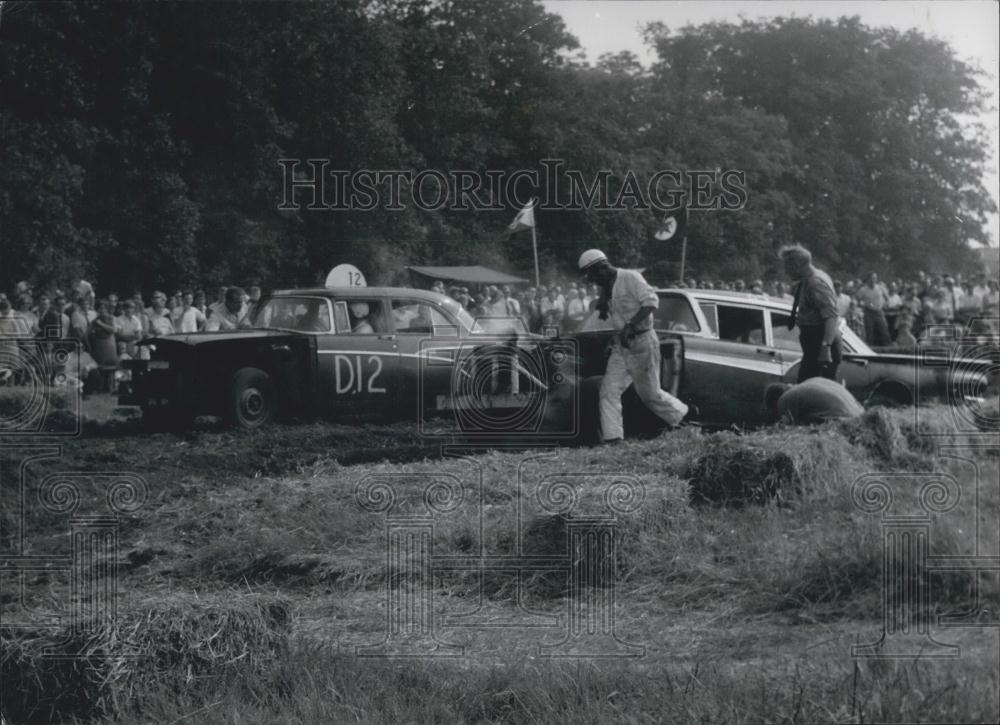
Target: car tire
251, 402
887, 400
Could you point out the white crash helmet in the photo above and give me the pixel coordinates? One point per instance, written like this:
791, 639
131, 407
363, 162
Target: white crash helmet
590, 258
359, 309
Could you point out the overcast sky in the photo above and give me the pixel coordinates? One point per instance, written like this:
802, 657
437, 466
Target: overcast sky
971, 27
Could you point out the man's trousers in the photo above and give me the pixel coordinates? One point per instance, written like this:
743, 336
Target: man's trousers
638, 364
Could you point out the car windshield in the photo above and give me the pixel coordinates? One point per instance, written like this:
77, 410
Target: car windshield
851, 341
303, 314
464, 318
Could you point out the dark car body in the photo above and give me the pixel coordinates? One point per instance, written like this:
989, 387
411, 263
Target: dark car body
421, 354
735, 344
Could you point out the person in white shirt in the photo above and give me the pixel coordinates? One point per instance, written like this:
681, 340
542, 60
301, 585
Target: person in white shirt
635, 352
553, 311
970, 306
231, 314
844, 301
952, 296
128, 329
513, 305
494, 305
160, 323
219, 304
981, 288
576, 310
191, 319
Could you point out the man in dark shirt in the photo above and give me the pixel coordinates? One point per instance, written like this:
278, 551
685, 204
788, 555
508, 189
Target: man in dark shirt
817, 400
815, 312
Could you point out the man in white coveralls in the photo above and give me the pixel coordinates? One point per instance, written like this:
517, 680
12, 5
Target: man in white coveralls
635, 352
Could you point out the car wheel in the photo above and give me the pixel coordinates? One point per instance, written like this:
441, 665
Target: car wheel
251, 402
886, 400
166, 418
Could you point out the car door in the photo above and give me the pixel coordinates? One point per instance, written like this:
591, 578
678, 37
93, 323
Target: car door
358, 362
428, 343
725, 375
852, 372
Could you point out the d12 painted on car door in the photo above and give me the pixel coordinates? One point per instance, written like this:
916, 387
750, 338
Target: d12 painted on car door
358, 364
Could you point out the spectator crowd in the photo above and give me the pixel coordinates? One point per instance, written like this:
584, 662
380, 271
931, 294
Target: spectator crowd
103, 331
893, 313
896, 313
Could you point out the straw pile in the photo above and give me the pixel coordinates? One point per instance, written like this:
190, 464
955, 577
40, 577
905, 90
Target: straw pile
778, 466
909, 439
52, 676
879, 434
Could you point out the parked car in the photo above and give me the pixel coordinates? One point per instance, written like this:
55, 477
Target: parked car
357, 353
735, 344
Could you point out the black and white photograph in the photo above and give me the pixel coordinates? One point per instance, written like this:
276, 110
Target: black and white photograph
499, 361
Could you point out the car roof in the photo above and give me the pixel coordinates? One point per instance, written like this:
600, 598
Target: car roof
363, 292
730, 296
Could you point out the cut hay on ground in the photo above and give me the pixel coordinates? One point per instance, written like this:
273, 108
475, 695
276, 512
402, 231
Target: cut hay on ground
910, 438
54, 675
778, 466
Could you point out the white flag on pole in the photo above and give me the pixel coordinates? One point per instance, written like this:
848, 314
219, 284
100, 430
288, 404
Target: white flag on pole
525, 218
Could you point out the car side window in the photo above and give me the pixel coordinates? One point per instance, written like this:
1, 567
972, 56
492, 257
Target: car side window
412, 317
360, 316
341, 318
741, 324
784, 339
711, 315
675, 313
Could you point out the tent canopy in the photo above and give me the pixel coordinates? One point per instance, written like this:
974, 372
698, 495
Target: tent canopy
475, 274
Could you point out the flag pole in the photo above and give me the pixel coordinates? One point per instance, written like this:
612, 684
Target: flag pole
534, 247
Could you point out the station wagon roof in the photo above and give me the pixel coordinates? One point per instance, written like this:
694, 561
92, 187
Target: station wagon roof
734, 297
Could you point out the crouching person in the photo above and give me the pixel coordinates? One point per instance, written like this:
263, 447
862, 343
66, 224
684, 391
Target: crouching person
815, 400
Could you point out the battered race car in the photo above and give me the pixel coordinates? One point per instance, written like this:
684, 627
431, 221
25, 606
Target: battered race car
357, 353
735, 344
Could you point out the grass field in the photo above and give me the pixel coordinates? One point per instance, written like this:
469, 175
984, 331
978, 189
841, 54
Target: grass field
743, 568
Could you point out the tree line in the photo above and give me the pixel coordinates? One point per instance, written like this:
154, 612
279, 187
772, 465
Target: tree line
140, 142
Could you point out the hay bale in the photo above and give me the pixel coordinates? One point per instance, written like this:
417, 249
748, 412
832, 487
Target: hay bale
55, 675
878, 432
780, 465
736, 473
